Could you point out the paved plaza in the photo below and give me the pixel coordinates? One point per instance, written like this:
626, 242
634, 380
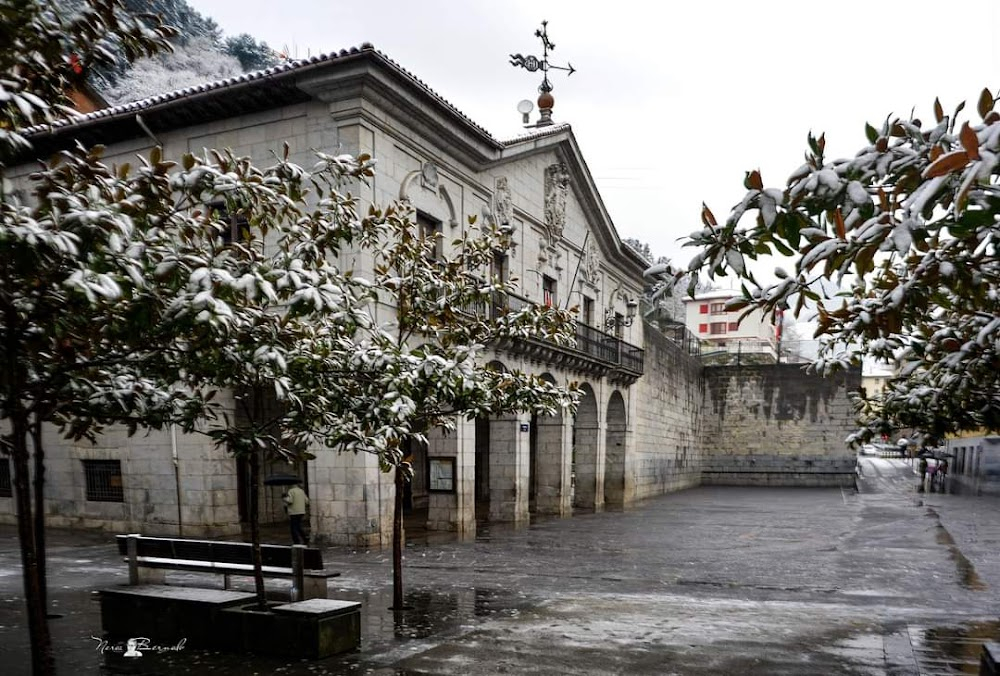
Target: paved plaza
757, 581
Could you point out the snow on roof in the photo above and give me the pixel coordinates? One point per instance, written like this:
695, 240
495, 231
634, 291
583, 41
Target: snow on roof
713, 295
539, 132
255, 76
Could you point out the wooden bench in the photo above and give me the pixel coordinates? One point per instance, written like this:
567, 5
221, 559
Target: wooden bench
149, 557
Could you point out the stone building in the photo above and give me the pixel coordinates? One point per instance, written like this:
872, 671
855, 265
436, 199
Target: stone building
640, 430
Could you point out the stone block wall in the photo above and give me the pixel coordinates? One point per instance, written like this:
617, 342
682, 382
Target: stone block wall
204, 479
776, 425
668, 419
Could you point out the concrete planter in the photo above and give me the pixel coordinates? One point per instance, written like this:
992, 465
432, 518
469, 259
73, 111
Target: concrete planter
229, 621
312, 629
166, 615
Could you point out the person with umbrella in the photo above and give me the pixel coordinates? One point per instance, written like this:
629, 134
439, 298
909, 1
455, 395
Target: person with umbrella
296, 501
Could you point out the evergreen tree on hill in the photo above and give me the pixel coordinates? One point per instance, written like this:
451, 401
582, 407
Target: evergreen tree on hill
200, 54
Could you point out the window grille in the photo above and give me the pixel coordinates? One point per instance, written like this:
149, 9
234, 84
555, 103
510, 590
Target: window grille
104, 480
6, 488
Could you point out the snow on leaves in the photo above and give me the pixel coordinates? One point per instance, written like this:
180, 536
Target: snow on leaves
908, 226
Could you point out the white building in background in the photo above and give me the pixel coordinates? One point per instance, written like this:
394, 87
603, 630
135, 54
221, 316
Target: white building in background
723, 331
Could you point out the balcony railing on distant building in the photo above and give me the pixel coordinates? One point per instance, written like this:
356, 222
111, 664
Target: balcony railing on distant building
681, 336
749, 351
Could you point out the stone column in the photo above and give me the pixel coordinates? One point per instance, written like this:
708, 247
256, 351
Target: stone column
552, 480
351, 500
509, 464
455, 511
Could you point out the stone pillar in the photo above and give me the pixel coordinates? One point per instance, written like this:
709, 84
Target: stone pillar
351, 500
600, 466
509, 465
589, 443
455, 511
566, 493
554, 438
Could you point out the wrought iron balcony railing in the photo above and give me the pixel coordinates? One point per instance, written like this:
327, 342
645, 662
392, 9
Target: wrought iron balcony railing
605, 350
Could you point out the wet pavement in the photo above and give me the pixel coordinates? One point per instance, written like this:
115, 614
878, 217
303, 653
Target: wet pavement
755, 581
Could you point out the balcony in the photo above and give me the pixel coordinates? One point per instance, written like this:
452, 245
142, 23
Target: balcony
596, 353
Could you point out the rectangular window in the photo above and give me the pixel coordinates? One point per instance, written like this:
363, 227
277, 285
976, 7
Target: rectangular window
6, 487
703, 328
104, 480
588, 311
734, 326
430, 231
549, 291
717, 328
619, 325
238, 227
498, 267
703, 309
718, 308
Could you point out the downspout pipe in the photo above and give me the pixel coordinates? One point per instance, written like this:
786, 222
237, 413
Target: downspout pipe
177, 477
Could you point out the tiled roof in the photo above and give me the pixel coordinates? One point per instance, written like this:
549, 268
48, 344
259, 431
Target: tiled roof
287, 69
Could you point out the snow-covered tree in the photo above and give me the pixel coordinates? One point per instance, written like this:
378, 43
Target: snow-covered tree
196, 61
132, 295
245, 296
425, 368
201, 54
251, 54
908, 227
62, 262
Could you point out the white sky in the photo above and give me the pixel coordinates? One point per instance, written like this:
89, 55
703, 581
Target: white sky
671, 103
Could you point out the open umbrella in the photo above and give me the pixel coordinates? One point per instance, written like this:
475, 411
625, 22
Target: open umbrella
282, 480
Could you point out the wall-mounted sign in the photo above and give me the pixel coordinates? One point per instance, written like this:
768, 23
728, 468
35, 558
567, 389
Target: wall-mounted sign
442, 475
525, 427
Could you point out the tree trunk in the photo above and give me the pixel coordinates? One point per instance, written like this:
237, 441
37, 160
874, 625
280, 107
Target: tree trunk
36, 438
397, 543
258, 572
42, 659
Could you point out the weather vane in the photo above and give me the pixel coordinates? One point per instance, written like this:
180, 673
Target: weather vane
532, 63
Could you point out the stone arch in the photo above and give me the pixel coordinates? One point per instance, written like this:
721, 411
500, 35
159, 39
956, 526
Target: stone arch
614, 452
586, 429
431, 198
548, 467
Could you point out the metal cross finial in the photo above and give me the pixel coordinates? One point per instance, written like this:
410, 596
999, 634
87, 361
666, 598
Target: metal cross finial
532, 63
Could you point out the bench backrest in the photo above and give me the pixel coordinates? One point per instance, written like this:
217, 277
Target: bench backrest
279, 556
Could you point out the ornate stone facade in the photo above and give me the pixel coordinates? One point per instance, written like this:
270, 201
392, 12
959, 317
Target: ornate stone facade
503, 206
556, 191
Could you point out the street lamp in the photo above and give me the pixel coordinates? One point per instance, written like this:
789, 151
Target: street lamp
612, 320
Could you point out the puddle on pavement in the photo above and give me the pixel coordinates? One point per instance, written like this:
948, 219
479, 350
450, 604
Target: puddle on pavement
967, 575
952, 649
432, 616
